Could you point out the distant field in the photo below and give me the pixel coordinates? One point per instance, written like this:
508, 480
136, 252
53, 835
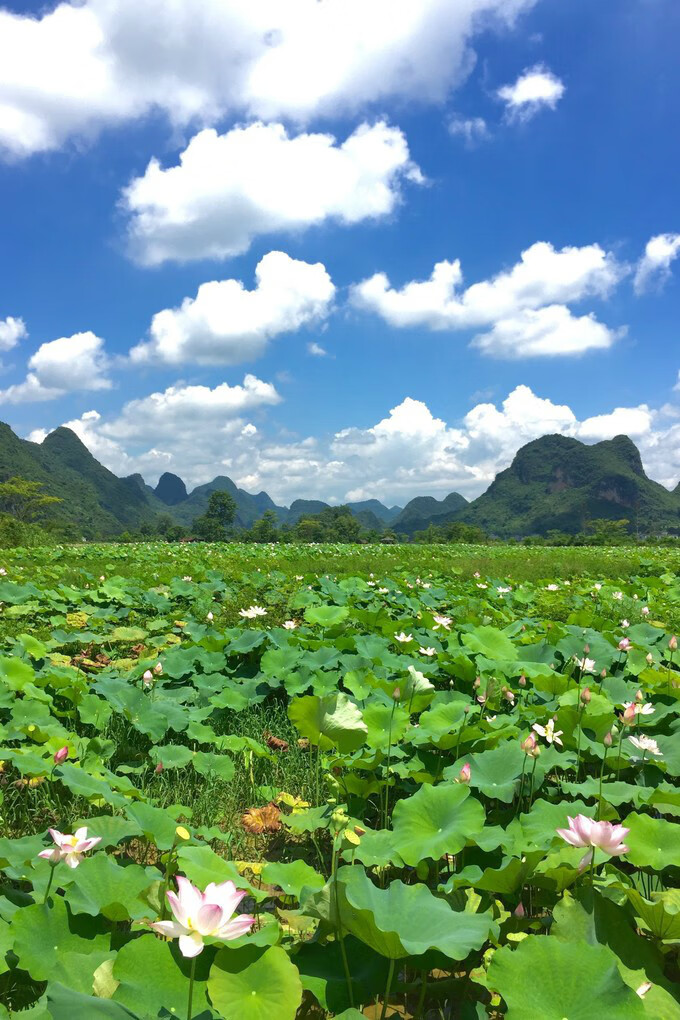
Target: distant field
377, 743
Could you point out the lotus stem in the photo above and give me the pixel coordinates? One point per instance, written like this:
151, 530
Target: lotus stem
421, 998
388, 989
599, 796
192, 975
49, 883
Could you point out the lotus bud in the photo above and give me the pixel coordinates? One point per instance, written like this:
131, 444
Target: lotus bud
60, 755
509, 696
529, 744
608, 740
147, 678
649, 658
481, 698
603, 673
586, 649
522, 681
159, 768
210, 617
519, 910
639, 697
624, 644
158, 669
464, 774
614, 730
466, 710
629, 715
477, 682
396, 693
673, 643
585, 695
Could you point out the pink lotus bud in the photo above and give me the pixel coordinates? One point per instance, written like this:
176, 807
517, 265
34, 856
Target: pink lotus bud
603, 673
60, 755
649, 658
396, 693
524, 626
624, 644
519, 910
673, 643
586, 649
158, 669
522, 681
639, 696
147, 678
585, 695
629, 715
529, 744
464, 774
159, 768
608, 740
509, 696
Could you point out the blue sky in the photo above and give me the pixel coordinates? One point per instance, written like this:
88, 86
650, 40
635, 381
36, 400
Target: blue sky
507, 126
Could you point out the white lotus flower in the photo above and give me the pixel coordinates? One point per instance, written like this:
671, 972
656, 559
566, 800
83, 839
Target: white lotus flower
548, 731
552, 587
585, 665
646, 744
428, 651
640, 708
69, 848
290, 624
403, 638
441, 621
252, 612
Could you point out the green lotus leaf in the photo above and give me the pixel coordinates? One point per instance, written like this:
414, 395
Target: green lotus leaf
254, 983
661, 915
322, 973
495, 772
111, 829
100, 885
201, 865
153, 978
440, 724
326, 616
171, 756
66, 1003
157, 825
207, 763
82, 784
547, 978
436, 820
402, 920
653, 843
490, 642
292, 877
330, 721
385, 722
43, 934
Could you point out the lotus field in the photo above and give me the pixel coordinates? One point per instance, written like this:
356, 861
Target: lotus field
268, 783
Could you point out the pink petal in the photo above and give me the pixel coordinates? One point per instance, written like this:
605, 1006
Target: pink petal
585, 860
583, 826
190, 945
50, 855
171, 929
208, 919
56, 836
570, 837
226, 894
238, 926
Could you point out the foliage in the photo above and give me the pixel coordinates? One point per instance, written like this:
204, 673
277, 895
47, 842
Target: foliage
340, 731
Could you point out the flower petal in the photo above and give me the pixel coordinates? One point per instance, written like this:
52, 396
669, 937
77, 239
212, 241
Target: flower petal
208, 918
171, 929
191, 945
238, 926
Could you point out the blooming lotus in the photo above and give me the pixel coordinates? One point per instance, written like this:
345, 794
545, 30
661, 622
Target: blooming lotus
428, 651
548, 731
585, 665
403, 638
252, 612
640, 708
69, 848
290, 624
552, 587
441, 621
586, 832
200, 915
624, 644
646, 745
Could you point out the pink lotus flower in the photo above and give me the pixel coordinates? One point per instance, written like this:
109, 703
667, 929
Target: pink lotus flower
464, 774
200, 915
69, 848
586, 832
60, 755
624, 644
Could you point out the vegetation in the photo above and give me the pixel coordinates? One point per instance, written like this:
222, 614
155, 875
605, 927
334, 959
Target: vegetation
382, 746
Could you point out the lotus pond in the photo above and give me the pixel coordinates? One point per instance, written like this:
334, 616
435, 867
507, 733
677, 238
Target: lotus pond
275, 783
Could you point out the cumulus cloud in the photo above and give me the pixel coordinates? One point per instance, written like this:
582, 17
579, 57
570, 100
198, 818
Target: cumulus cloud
317, 350
535, 89
654, 268
199, 433
525, 306
227, 189
11, 332
226, 324
90, 63
67, 365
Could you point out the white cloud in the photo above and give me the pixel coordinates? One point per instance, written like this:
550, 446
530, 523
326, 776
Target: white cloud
654, 268
66, 365
226, 324
91, 63
254, 180
470, 129
11, 332
545, 332
536, 88
199, 433
524, 306
317, 350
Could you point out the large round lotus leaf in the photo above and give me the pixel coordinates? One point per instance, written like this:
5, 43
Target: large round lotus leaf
496, 772
491, 642
652, 842
385, 723
157, 825
538, 828
322, 973
66, 1004
42, 934
252, 983
170, 756
207, 763
201, 865
292, 877
100, 885
407, 920
440, 724
111, 829
552, 980
661, 915
154, 976
376, 849
77, 970
326, 616
330, 721
436, 820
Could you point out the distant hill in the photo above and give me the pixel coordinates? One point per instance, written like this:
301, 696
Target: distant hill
422, 511
558, 483
94, 499
249, 508
170, 489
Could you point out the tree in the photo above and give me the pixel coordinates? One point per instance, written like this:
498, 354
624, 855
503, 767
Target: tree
221, 513
264, 530
24, 500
